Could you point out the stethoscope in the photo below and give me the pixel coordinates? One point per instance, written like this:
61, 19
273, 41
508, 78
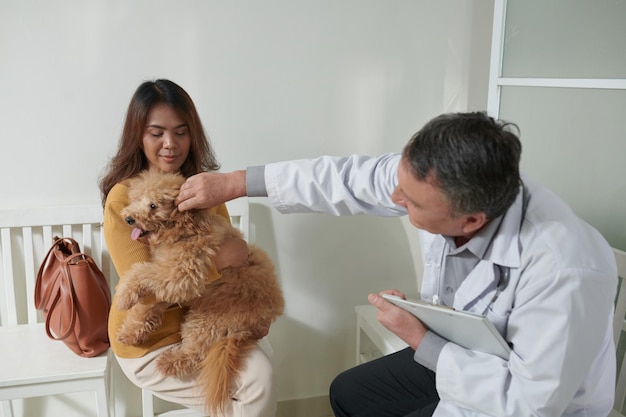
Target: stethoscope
504, 274
503, 271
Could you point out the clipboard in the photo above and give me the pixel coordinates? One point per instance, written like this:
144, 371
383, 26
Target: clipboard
469, 330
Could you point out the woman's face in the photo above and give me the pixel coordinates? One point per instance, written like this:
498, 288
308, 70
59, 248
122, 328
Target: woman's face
166, 141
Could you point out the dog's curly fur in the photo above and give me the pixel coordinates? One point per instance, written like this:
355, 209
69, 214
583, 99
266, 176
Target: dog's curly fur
218, 330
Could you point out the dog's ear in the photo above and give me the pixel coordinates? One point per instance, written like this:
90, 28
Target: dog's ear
175, 214
136, 186
170, 184
183, 219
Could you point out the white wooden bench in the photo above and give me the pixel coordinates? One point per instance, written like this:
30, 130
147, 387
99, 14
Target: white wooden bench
373, 340
32, 364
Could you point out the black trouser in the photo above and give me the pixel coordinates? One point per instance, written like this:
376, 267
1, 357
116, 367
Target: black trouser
392, 386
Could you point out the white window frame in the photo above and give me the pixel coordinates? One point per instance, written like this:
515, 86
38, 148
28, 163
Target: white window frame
496, 81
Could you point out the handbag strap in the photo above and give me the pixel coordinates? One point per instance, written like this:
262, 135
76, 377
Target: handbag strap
59, 244
66, 286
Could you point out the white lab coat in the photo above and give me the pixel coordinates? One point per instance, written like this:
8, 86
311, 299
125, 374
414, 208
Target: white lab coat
556, 311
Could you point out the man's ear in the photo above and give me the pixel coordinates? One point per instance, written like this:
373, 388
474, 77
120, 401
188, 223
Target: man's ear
473, 222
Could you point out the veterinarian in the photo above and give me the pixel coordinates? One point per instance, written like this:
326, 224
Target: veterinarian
163, 130
494, 243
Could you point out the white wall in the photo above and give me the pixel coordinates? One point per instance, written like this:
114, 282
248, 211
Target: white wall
272, 80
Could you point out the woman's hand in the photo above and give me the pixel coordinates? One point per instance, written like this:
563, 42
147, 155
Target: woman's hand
210, 189
261, 331
404, 324
232, 253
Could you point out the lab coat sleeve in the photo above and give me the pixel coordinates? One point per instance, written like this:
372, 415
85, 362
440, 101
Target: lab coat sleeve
555, 331
336, 185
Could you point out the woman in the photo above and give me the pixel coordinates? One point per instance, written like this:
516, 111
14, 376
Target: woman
163, 130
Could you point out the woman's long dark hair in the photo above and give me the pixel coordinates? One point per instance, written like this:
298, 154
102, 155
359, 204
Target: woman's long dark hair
130, 158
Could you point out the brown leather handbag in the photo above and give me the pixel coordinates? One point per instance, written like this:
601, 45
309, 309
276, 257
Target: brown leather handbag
75, 298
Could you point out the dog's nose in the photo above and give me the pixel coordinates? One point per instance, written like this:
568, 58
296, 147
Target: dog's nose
130, 220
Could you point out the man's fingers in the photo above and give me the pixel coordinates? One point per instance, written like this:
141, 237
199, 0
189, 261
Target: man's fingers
377, 301
185, 185
185, 204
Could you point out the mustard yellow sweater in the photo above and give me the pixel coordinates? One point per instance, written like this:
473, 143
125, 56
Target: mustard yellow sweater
124, 253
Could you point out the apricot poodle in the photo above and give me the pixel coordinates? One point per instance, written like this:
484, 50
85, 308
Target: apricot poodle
224, 315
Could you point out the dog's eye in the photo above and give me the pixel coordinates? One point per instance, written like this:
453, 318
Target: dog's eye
153, 206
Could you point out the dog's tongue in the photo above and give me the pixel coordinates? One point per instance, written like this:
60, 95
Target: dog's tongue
136, 233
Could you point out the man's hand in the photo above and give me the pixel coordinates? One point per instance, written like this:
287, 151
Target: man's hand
399, 321
210, 189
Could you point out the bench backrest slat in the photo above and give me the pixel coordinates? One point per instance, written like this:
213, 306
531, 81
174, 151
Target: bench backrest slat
25, 238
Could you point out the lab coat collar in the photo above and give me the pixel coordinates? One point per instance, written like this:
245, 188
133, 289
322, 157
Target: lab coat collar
505, 246
479, 243
498, 241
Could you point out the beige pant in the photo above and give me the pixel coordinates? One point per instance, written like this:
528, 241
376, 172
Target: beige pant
254, 395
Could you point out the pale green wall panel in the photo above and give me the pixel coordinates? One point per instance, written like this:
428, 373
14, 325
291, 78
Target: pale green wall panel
565, 39
574, 141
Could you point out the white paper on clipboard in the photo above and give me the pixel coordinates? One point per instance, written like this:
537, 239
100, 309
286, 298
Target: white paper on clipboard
466, 329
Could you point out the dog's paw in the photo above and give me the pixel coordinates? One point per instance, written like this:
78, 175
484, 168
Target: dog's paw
152, 321
126, 300
174, 363
129, 335
140, 332
127, 297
